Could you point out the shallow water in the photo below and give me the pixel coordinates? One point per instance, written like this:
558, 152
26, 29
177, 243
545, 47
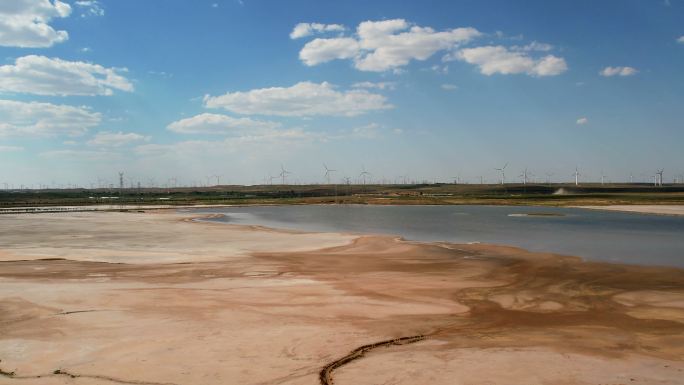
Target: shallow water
595, 235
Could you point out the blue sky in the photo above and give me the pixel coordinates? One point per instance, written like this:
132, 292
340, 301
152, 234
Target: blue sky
430, 90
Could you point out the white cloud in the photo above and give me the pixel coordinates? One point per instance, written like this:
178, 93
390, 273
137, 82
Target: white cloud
302, 99
44, 119
582, 121
680, 40
82, 155
324, 50
90, 8
534, 46
498, 59
230, 144
307, 29
440, 69
11, 148
376, 85
618, 71
385, 45
116, 139
449, 87
41, 75
220, 124
24, 23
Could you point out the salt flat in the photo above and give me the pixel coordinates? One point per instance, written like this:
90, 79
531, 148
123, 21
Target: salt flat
156, 298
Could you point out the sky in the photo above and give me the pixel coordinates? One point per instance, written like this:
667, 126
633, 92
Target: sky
195, 92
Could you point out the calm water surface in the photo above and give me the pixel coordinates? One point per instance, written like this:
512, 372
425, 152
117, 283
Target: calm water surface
595, 235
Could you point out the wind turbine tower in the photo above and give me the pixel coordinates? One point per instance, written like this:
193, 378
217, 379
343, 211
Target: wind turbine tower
327, 172
283, 173
363, 174
660, 177
503, 173
577, 174
121, 180
525, 175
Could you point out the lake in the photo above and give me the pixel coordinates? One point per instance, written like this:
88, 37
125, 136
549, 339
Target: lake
590, 234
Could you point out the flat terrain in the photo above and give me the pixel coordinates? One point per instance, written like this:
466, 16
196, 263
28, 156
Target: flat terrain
154, 298
646, 209
557, 194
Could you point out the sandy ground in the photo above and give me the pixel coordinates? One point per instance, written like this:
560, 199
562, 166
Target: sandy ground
154, 298
645, 209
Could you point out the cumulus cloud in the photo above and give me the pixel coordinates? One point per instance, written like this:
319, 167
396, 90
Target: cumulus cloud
45, 119
324, 50
220, 124
302, 99
680, 40
116, 139
385, 45
449, 87
24, 23
618, 71
41, 75
307, 29
582, 121
501, 60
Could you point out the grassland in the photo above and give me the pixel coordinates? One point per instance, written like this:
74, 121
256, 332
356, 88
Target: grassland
426, 194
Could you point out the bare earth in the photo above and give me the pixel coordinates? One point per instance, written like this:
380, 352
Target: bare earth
644, 209
154, 298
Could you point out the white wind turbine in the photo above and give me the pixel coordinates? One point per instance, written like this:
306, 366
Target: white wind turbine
576, 174
283, 173
363, 174
660, 176
327, 172
503, 173
525, 175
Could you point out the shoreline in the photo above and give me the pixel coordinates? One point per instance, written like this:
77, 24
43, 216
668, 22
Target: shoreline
666, 210
172, 300
655, 209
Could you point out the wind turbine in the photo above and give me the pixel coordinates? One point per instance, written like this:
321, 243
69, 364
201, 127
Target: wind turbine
524, 175
327, 172
576, 174
603, 178
503, 173
660, 176
363, 174
283, 173
218, 179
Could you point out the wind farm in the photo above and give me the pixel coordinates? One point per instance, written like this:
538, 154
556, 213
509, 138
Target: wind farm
341, 192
